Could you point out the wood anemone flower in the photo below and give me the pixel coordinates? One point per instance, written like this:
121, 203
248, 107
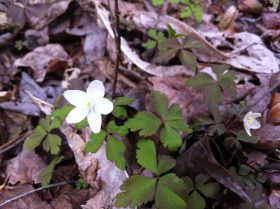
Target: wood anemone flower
90, 104
250, 121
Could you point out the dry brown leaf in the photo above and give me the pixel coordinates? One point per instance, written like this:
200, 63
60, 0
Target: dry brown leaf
25, 168
41, 58
32, 201
274, 112
268, 136
111, 178
86, 162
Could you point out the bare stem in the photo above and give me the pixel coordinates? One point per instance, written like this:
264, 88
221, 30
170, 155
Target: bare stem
33, 191
118, 45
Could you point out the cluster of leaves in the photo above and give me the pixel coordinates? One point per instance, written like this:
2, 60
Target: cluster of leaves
168, 120
192, 8
45, 134
138, 190
214, 87
173, 45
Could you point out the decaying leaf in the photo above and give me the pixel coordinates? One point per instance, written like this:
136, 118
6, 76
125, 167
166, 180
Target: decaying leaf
41, 58
86, 162
25, 168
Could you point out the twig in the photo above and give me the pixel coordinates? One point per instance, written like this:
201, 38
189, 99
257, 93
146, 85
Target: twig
33, 191
118, 45
10, 144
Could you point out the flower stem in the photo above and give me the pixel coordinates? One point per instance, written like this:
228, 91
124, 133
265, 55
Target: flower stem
118, 45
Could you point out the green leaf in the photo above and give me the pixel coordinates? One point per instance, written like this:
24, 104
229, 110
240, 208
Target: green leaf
197, 13
146, 155
188, 59
45, 123
119, 112
55, 123
35, 138
112, 127
46, 174
121, 101
205, 120
96, 141
209, 190
214, 94
189, 184
52, 143
160, 102
196, 201
115, 152
170, 192
170, 138
243, 136
62, 112
179, 125
165, 164
164, 56
82, 124
138, 190
186, 13
174, 113
150, 44
200, 81
146, 122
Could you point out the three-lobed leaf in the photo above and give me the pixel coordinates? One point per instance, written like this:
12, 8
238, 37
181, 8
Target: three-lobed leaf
52, 144
160, 102
165, 164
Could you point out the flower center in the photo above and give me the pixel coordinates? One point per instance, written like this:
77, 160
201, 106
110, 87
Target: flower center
90, 104
250, 120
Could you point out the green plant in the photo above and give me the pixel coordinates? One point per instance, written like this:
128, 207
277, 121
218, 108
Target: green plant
199, 189
81, 184
192, 8
138, 190
155, 37
19, 45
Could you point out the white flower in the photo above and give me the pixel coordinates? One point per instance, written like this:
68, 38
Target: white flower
90, 104
250, 121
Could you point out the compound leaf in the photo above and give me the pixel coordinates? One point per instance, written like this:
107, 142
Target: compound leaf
146, 122
138, 190
121, 101
179, 125
200, 81
146, 155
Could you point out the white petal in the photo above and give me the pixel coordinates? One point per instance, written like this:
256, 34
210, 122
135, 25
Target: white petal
94, 121
248, 132
76, 97
255, 125
256, 115
77, 115
96, 89
104, 106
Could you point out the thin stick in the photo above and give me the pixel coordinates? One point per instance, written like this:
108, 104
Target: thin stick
33, 191
118, 45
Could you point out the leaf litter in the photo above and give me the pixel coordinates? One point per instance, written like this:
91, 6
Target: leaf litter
69, 43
